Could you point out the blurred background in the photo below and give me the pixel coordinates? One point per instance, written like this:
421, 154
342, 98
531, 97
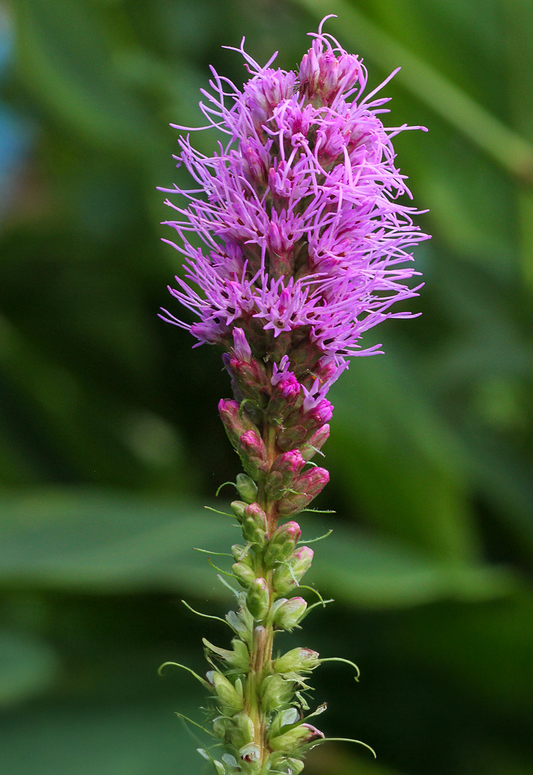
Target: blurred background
110, 443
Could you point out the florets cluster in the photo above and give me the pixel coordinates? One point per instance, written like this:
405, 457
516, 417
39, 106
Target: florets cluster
305, 247
305, 242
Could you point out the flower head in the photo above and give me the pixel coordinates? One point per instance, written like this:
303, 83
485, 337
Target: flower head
305, 244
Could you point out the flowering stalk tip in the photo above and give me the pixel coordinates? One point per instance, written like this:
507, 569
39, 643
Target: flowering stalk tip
305, 246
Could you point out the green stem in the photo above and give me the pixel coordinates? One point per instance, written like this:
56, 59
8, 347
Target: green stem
263, 636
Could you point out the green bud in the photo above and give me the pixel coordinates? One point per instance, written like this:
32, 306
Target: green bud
290, 573
282, 544
239, 509
258, 599
245, 575
225, 690
296, 661
255, 525
289, 613
241, 554
242, 731
292, 740
247, 488
276, 693
220, 726
315, 443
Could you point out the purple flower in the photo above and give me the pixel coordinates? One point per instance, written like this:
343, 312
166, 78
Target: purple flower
305, 242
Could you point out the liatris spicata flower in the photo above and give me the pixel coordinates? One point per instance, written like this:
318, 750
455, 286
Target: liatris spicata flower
305, 247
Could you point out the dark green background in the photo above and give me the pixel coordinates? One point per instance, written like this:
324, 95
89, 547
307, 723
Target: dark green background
109, 438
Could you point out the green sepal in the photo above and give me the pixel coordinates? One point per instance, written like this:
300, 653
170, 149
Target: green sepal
282, 544
239, 658
231, 696
297, 660
244, 574
288, 613
242, 731
258, 599
276, 693
246, 487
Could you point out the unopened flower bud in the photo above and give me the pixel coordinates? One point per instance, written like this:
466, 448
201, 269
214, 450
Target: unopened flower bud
309, 74
253, 453
296, 737
241, 553
283, 472
285, 395
242, 731
258, 599
286, 391
276, 692
282, 544
315, 443
289, 613
220, 726
251, 379
289, 574
326, 369
307, 487
241, 348
236, 421
245, 575
292, 437
254, 525
254, 162
297, 660
318, 415
246, 488
226, 691
239, 509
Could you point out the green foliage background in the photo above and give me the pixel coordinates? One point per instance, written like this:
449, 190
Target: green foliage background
109, 438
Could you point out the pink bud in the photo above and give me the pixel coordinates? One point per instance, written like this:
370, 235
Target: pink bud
286, 392
307, 486
292, 462
282, 544
315, 443
289, 612
241, 348
284, 469
236, 422
319, 414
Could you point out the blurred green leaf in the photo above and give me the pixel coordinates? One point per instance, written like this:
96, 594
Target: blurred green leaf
28, 666
100, 739
421, 493
66, 60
